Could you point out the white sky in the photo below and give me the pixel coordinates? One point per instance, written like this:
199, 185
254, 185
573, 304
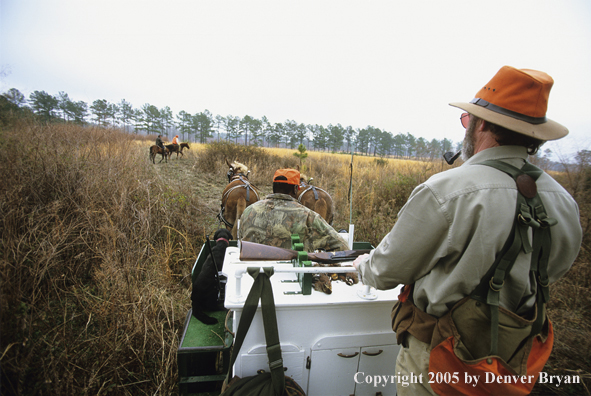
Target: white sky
394, 65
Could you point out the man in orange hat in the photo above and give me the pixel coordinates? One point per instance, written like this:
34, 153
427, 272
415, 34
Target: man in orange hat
273, 220
455, 228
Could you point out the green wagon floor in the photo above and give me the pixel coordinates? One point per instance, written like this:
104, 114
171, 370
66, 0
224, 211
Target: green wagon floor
201, 335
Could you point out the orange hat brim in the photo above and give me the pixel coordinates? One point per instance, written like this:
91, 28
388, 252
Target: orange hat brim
550, 130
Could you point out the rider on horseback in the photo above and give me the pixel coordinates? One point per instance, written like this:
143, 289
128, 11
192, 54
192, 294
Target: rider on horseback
160, 144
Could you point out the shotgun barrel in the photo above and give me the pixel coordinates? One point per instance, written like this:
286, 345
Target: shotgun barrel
250, 251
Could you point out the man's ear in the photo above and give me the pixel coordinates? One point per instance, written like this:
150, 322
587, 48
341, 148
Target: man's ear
296, 188
482, 126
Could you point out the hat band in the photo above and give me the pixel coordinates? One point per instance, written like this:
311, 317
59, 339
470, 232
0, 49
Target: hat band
500, 110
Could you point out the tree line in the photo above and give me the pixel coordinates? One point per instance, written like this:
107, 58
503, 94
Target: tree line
204, 126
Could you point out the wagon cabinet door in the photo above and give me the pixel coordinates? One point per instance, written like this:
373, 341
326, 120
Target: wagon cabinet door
293, 361
332, 371
377, 361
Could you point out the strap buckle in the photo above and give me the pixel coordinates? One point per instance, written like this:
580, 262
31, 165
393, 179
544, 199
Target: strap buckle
543, 283
547, 222
274, 351
525, 218
493, 284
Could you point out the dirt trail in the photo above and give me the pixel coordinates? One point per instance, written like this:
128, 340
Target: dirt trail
207, 186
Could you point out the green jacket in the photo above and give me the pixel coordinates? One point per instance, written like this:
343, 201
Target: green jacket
273, 220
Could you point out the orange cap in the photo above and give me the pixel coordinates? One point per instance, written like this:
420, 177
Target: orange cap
292, 176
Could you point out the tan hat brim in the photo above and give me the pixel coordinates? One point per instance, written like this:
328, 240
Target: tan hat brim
550, 130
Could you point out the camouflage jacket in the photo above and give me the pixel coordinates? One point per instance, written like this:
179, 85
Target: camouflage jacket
273, 220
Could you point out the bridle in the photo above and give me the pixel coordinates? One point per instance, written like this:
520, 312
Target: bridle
234, 176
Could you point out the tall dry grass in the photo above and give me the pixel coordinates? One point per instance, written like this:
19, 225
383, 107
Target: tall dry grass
380, 186
570, 298
96, 242
93, 243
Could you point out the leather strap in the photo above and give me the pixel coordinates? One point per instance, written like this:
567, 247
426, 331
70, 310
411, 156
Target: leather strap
249, 188
315, 191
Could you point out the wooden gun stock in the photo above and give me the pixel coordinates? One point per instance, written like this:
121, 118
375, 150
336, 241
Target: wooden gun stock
250, 251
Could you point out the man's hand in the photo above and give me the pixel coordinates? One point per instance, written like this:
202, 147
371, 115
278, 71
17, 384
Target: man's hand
358, 260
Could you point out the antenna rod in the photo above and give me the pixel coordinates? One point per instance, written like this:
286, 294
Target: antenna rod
351, 188
351, 225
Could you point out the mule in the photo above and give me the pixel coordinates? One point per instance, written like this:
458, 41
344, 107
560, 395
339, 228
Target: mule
177, 148
154, 150
316, 199
237, 196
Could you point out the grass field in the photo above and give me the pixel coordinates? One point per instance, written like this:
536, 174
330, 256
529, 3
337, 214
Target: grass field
98, 243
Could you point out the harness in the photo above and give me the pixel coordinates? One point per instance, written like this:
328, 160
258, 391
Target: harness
246, 184
315, 191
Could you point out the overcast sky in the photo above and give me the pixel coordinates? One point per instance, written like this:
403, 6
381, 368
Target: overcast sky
394, 65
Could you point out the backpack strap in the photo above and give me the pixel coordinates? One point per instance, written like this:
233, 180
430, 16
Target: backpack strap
529, 212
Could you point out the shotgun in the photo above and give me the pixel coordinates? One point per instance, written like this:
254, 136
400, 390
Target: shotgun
250, 251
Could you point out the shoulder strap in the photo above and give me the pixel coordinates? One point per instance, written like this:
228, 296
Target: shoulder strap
262, 289
529, 212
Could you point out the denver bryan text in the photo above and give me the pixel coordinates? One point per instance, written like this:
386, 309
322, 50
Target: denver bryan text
544, 378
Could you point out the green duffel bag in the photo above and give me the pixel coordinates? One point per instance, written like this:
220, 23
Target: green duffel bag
261, 384
273, 383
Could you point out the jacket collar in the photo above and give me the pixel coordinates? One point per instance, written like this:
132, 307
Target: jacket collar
498, 153
281, 196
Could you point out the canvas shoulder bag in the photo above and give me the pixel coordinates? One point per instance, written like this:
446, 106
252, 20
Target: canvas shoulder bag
274, 382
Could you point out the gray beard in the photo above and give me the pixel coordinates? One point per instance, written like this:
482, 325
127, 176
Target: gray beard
468, 144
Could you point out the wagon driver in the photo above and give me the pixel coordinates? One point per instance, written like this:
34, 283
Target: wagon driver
273, 220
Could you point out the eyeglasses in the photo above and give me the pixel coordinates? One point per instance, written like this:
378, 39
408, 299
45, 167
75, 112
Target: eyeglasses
465, 119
